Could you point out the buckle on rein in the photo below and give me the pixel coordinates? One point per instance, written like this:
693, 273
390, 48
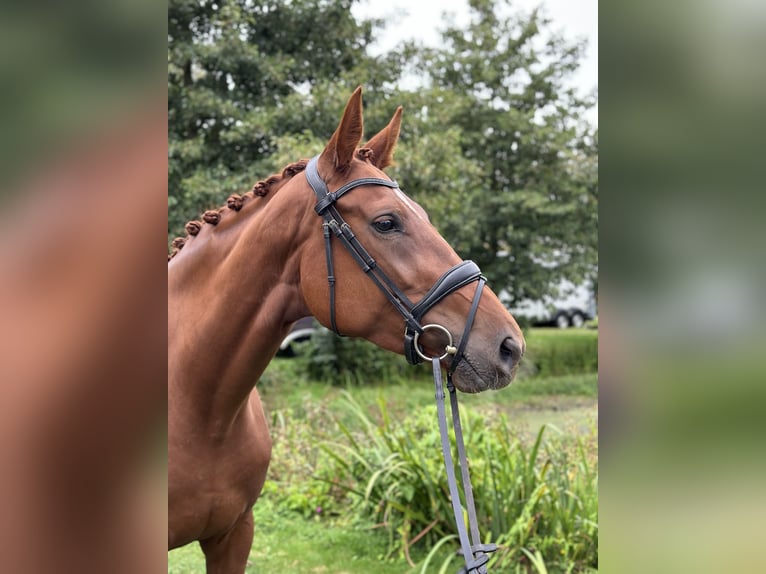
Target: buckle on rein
476, 555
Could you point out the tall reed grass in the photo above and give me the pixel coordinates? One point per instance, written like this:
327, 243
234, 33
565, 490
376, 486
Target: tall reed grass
536, 497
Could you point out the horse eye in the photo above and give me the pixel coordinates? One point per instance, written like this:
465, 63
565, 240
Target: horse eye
385, 225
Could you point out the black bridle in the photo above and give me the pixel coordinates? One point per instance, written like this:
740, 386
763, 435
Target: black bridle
460, 275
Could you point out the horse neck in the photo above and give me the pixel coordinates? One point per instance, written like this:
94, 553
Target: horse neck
233, 293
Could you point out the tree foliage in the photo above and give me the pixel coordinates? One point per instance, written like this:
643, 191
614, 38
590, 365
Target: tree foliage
493, 143
527, 211
235, 68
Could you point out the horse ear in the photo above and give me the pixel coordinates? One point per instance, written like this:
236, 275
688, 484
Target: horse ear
339, 152
384, 142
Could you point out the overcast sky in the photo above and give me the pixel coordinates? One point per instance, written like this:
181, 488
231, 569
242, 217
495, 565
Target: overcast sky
409, 19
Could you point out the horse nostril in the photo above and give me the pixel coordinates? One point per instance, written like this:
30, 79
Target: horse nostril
510, 350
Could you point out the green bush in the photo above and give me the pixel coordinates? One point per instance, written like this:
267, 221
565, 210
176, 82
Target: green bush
343, 360
537, 498
295, 459
555, 352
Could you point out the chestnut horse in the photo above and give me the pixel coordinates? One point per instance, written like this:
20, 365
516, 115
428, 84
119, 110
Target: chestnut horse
253, 268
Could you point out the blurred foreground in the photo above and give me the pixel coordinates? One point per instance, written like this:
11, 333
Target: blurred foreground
681, 285
83, 168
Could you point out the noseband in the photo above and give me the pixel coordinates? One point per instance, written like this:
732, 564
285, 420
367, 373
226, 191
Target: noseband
474, 553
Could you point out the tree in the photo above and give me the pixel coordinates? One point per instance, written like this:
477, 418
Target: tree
501, 157
493, 144
236, 69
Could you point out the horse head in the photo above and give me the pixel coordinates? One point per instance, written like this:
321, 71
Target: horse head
363, 208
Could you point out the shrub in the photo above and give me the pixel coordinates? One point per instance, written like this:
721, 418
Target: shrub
296, 459
342, 360
555, 352
531, 498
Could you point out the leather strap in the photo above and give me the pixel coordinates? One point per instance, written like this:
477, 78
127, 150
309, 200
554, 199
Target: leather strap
459, 276
334, 222
330, 198
467, 329
475, 554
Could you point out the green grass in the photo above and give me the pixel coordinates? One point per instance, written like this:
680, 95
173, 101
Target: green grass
531, 492
553, 352
284, 387
286, 542
530, 401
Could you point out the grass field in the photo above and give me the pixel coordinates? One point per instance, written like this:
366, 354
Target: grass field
303, 414
287, 542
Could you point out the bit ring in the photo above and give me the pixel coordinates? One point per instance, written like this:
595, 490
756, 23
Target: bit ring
448, 350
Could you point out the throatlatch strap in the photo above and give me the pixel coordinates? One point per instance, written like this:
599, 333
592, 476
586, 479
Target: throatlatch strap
330, 273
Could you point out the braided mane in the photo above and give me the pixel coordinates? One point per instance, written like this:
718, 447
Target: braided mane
235, 202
